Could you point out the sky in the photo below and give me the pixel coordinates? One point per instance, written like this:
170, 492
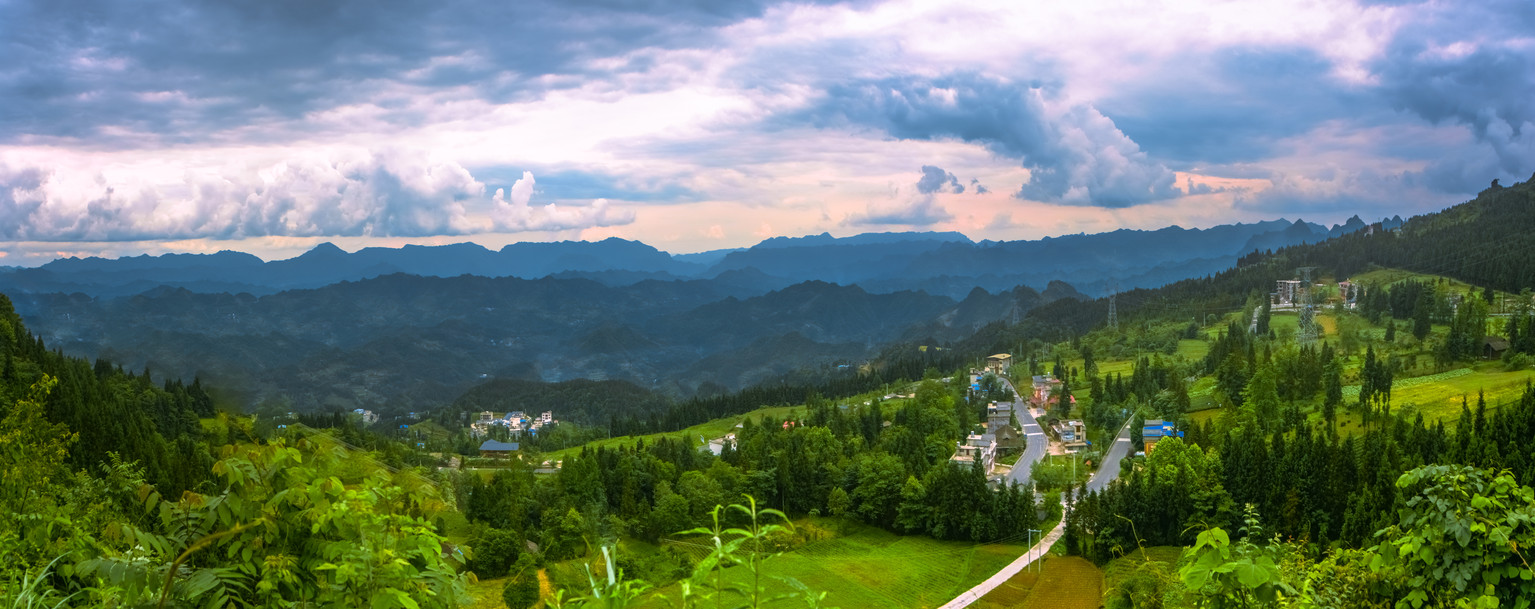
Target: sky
269, 126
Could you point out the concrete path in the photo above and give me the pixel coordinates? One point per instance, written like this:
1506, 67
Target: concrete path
1007, 573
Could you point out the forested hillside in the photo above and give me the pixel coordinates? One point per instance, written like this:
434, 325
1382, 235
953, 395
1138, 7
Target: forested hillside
1484, 242
117, 491
406, 343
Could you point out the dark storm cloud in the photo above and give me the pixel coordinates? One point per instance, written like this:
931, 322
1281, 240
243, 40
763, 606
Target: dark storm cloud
1470, 64
177, 69
1235, 107
1075, 155
935, 179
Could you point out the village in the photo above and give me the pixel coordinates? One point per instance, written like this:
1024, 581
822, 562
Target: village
509, 426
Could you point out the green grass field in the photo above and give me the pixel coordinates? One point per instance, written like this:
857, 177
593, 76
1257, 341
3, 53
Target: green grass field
1193, 349
1388, 277
1063, 582
870, 567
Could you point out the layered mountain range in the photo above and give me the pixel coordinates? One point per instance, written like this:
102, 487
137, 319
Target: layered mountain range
417, 326
948, 264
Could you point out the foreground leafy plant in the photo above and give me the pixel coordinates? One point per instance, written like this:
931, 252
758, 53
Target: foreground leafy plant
1226, 575
1460, 539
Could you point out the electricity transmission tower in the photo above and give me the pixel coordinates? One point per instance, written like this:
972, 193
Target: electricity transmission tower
1306, 333
1113, 315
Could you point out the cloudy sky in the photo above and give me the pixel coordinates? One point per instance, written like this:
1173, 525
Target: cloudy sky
271, 125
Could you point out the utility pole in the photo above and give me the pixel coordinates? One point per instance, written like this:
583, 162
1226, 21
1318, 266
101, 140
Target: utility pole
1037, 559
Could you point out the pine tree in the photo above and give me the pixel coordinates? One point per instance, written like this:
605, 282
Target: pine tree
1421, 323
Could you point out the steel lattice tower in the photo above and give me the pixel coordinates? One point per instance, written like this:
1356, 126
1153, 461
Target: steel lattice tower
1305, 334
1113, 315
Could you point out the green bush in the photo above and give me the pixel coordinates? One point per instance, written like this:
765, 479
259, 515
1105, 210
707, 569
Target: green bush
495, 551
521, 591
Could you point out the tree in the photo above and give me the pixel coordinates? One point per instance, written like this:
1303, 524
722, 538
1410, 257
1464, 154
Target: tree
495, 551
32, 451
913, 515
992, 389
878, 494
1089, 364
1231, 377
565, 537
1421, 322
521, 591
1262, 394
671, 514
1332, 389
838, 502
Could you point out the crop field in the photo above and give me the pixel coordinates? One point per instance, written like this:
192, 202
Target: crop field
1441, 397
1064, 582
873, 568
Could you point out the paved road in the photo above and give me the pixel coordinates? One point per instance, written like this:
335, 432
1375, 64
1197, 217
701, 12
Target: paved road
1106, 473
1108, 470
1034, 436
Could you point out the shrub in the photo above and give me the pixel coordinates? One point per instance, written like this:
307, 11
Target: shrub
495, 551
521, 591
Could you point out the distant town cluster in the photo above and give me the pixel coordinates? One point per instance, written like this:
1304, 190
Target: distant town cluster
515, 422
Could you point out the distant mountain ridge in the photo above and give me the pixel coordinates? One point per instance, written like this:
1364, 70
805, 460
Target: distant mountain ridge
944, 263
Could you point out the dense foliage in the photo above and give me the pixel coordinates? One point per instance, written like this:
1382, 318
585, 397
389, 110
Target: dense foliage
885, 466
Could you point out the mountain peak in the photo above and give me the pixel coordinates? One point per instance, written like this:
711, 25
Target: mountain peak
325, 249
